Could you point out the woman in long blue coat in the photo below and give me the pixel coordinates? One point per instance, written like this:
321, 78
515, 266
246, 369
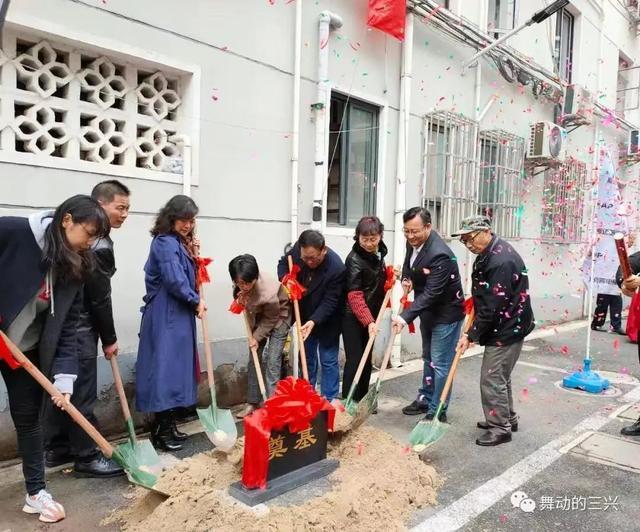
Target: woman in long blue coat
167, 366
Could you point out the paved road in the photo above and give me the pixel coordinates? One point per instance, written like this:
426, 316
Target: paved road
559, 458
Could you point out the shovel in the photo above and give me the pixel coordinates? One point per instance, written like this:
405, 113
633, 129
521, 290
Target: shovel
143, 451
303, 352
426, 433
350, 405
218, 424
123, 455
370, 401
256, 358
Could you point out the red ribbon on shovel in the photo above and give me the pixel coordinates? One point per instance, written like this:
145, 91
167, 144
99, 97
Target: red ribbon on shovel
5, 354
202, 274
291, 284
404, 301
236, 307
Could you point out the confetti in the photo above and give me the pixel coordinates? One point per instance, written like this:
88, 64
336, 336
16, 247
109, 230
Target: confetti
525, 394
359, 447
532, 380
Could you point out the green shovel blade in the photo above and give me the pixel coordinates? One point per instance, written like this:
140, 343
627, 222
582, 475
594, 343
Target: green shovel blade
125, 456
219, 426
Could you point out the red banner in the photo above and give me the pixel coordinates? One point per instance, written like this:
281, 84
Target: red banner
7, 356
202, 274
388, 16
291, 284
294, 403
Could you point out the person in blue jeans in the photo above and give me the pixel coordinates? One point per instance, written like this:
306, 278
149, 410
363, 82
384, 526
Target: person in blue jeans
322, 273
431, 270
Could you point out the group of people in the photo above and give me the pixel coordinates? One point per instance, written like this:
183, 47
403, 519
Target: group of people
55, 279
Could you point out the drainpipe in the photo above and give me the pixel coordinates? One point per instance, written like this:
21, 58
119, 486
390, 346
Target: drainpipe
185, 140
399, 244
295, 150
328, 21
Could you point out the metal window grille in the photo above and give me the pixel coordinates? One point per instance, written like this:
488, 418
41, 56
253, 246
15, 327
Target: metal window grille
501, 180
563, 202
449, 169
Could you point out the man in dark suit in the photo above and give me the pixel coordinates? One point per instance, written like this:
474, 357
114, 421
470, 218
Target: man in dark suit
431, 270
322, 273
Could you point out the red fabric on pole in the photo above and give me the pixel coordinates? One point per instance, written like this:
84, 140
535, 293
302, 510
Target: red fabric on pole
468, 305
388, 16
291, 284
294, 403
405, 304
7, 356
202, 274
236, 307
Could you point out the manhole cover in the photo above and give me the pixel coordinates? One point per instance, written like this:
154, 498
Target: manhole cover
619, 378
610, 450
611, 391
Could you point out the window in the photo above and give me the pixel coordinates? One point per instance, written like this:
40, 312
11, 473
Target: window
353, 147
563, 201
564, 45
72, 107
501, 181
627, 95
502, 16
449, 169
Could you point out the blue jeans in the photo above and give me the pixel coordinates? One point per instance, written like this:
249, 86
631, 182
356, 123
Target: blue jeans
327, 350
438, 350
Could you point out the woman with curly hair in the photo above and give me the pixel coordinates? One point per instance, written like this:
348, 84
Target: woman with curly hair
167, 365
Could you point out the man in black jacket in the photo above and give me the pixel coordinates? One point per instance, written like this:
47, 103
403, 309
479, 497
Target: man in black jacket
431, 270
322, 273
503, 317
63, 439
630, 287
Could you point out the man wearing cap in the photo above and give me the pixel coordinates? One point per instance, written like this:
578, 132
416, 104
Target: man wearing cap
431, 270
503, 317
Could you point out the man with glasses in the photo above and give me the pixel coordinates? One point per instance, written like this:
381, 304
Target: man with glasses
431, 270
322, 273
503, 317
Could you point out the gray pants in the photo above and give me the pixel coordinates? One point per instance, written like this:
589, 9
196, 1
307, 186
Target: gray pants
270, 353
495, 386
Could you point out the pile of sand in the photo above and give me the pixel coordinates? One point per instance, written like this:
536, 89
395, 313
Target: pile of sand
378, 485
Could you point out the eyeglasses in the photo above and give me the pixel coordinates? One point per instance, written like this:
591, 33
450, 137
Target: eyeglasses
467, 241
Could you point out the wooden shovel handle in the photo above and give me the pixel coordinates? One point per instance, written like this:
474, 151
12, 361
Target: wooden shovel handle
454, 365
117, 379
302, 350
104, 445
256, 358
387, 356
369, 346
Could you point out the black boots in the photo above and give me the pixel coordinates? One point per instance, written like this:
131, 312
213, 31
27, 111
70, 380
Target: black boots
632, 430
162, 434
177, 435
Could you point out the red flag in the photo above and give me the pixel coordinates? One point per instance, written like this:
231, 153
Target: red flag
291, 284
388, 16
236, 307
7, 356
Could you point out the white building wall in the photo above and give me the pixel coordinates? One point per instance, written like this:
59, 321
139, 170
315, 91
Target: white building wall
237, 59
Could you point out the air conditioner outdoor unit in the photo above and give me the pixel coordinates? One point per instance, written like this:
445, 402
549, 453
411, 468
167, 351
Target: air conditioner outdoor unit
633, 147
547, 142
578, 106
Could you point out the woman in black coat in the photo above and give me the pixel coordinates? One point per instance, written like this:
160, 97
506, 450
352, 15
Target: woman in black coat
43, 261
366, 276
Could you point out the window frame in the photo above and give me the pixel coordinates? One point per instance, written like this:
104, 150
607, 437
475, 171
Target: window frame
498, 31
376, 190
565, 73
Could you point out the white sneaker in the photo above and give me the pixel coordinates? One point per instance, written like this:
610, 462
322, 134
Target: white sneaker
50, 511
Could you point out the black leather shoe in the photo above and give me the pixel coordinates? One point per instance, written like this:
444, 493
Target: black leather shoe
99, 467
490, 439
631, 430
619, 331
176, 434
415, 409
484, 425
56, 458
442, 417
596, 328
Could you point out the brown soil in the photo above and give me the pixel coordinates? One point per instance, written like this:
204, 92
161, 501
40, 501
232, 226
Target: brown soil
378, 485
